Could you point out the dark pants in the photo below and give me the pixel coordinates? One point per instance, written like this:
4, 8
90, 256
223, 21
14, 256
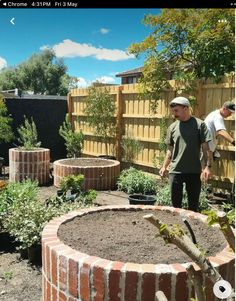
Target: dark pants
193, 189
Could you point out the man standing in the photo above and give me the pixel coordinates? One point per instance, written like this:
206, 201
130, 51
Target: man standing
216, 126
185, 138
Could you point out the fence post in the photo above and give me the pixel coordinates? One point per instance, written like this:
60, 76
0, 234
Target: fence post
70, 106
119, 122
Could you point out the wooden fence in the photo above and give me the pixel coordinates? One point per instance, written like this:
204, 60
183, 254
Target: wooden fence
134, 117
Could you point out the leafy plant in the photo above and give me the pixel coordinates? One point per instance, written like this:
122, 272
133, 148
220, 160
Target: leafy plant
131, 148
6, 133
100, 111
135, 181
24, 216
16, 193
213, 219
74, 141
8, 275
28, 135
72, 182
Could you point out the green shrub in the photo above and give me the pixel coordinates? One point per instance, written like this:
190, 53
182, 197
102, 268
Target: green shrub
16, 193
72, 182
28, 136
135, 181
24, 216
131, 148
74, 141
6, 133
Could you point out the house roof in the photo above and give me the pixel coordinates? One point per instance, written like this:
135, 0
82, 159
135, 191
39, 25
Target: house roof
135, 71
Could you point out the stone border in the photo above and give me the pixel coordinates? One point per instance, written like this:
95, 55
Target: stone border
69, 275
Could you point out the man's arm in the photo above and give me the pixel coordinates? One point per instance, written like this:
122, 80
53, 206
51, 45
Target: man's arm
163, 170
207, 161
224, 134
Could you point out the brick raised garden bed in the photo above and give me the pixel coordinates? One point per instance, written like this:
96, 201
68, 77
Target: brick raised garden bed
73, 275
99, 174
29, 164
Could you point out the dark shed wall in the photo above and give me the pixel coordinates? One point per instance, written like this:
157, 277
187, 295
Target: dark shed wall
48, 115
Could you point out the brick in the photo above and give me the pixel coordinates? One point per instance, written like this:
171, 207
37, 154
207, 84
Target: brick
164, 279
99, 280
181, 289
114, 281
48, 292
131, 281
62, 297
73, 277
54, 294
148, 283
85, 272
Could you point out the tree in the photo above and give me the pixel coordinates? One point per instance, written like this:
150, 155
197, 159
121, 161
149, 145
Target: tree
6, 133
188, 43
42, 73
100, 109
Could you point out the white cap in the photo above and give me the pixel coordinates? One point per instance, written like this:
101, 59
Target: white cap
180, 101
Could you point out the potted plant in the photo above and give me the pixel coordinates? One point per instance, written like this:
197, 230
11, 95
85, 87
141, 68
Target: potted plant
29, 160
141, 186
100, 110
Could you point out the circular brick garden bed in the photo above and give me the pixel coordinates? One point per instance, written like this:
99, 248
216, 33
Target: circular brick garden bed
99, 174
84, 275
29, 164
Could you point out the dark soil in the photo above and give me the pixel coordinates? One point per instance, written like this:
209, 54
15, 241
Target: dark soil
126, 236
19, 281
83, 162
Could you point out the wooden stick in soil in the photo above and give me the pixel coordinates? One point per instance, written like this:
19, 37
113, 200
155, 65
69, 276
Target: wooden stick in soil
160, 296
184, 243
196, 279
226, 229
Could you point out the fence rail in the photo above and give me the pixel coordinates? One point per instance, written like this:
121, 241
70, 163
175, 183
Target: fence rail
133, 115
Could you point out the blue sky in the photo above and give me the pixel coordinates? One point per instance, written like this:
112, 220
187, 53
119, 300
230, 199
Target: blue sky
92, 42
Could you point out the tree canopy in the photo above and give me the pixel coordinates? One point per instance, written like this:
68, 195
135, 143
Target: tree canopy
100, 110
42, 73
6, 133
188, 43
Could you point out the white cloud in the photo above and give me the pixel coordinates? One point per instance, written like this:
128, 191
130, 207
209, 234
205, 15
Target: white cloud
105, 79
104, 30
68, 48
82, 82
3, 63
44, 47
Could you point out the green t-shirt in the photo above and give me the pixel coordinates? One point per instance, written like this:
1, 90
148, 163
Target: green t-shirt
186, 138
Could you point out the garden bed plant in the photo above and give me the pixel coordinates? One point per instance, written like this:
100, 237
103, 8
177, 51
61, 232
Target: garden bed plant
24, 216
133, 181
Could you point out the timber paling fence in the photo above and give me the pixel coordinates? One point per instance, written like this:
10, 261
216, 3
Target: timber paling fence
134, 117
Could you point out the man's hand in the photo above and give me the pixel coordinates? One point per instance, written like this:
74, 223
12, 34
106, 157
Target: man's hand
206, 174
163, 172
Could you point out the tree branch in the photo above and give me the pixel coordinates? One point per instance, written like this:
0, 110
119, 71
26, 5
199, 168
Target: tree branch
183, 242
